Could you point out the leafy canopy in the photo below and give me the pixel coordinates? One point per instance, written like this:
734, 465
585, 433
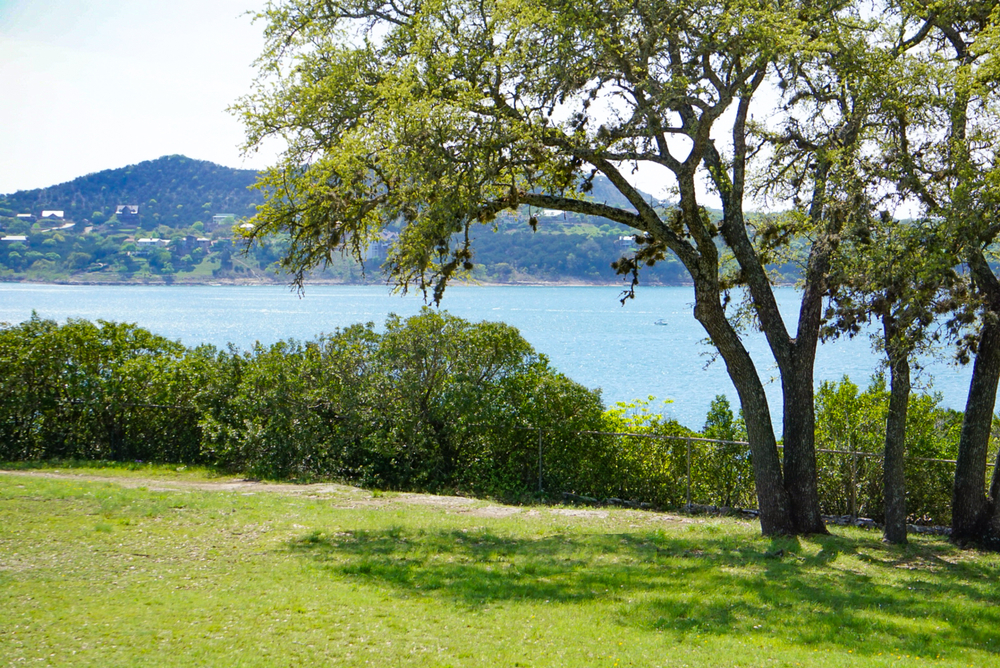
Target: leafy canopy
442, 114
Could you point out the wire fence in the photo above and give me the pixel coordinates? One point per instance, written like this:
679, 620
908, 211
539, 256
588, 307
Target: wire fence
639, 468
718, 473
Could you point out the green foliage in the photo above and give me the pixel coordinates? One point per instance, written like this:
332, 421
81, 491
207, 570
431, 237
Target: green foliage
171, 190
94, 391
267, 426
729, 465
650, 467
559, 250
853, 421
645, 457
457, 112
434, 402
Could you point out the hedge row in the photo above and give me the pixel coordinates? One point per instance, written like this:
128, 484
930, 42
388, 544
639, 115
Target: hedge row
430, 402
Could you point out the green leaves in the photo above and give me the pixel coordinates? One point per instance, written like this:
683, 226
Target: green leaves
434, 117
849, 419
433, 402
94, 391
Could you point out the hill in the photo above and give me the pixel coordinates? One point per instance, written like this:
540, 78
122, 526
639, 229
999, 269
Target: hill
168, 220
174, 190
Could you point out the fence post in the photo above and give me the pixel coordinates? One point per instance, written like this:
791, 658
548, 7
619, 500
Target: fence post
539, 459
854, 486
689, 473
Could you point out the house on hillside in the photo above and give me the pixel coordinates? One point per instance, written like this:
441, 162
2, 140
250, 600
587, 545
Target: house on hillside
377, 250
220, 219
12, 238
626, 243
186, 245
127, 214
144, 246
54, 214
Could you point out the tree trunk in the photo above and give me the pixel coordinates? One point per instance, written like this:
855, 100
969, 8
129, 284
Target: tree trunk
971, 508
974, 516
989, 537
894, 479
795, 358
799, 439
772, 497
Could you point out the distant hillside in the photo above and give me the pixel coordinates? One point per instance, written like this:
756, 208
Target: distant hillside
604, 191
174, 238
173, 190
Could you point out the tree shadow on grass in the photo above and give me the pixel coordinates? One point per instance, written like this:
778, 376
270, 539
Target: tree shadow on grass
853, 593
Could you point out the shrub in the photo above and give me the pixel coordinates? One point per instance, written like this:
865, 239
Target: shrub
94, 391
434, 403
853, 421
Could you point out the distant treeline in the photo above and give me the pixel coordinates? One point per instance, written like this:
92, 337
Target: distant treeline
431, 402
575, 250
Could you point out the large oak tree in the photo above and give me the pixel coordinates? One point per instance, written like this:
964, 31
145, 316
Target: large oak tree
444, 114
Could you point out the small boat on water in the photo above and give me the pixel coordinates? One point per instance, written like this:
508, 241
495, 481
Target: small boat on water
660, 322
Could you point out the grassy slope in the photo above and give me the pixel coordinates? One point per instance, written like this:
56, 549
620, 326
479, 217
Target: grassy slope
97, 574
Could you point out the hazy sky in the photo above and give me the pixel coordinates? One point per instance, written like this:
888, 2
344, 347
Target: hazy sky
88, 85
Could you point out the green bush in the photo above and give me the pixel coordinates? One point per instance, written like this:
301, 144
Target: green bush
433, 402
637, 455
726, 468
95, 391
268, 427
647, 466
852, 421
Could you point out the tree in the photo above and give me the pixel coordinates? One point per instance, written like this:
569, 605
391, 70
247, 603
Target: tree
895, 272
442, 116
944, 155
867, 262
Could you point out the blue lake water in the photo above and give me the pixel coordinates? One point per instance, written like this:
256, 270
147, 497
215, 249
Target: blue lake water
585, 331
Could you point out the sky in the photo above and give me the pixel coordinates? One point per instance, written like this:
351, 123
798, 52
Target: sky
88, 85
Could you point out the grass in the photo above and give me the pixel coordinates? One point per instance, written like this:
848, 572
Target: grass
108, 469
203, 269
96, 574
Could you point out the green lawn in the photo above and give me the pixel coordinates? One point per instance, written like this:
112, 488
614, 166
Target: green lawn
203, 269
185, 569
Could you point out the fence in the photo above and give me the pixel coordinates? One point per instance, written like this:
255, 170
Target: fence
650, 468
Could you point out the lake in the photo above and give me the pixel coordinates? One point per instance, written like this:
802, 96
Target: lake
652, 346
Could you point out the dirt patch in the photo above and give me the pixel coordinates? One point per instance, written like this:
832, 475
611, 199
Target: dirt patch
574, 512
493, 511
433, 500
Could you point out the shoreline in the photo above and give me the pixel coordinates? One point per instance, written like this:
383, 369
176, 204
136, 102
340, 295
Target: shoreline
328, 282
